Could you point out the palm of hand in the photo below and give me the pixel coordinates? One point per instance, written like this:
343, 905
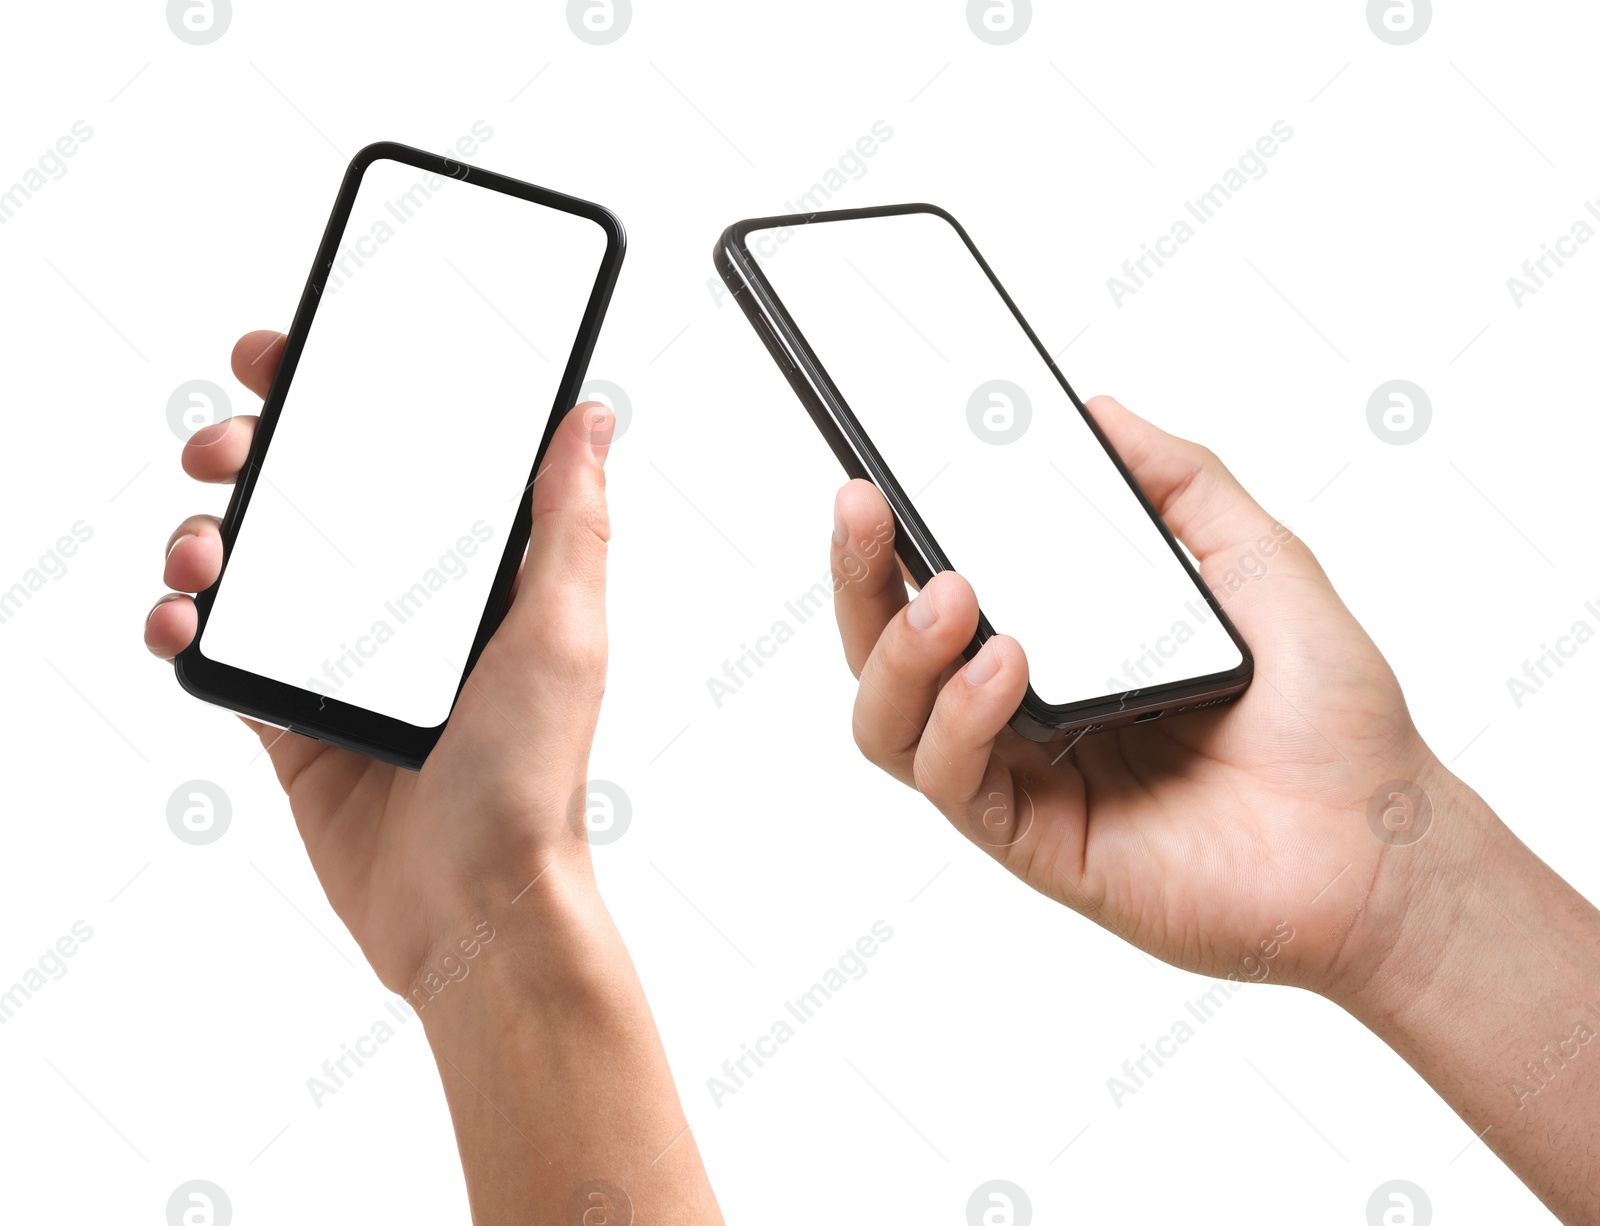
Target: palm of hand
1199, 839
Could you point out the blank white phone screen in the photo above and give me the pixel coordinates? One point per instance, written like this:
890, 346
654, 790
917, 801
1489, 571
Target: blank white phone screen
984, 440
364, 561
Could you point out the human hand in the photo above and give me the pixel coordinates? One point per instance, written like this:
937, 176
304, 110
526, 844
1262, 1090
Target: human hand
414, 862
1234, 842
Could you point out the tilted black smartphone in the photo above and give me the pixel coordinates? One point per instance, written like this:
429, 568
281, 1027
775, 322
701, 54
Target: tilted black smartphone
924, 378
375, 531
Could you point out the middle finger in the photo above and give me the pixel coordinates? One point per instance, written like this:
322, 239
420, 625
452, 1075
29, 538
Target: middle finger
194, 554
218, 452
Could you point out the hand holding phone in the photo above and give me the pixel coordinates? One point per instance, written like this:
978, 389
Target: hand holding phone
409, 859
1048, 538
468, 884
1205, 841
444, 329
922, 375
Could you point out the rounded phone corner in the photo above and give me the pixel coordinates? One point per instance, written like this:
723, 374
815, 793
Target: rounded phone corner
1028, 726
611, 226
184, 669
937, 211
377, 151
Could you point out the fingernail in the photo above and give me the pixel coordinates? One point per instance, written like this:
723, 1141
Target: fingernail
840, 536
598, 424
983, 665
167, 599
920, 613
186, 536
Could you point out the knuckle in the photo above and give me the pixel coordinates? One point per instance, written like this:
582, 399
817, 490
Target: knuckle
894, 760
880, 750
578, 653
924, 778
578, 519
586, 657
910, 659
594, 517
866, 739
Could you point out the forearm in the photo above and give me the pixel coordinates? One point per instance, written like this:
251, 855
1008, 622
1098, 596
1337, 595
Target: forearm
1492, 993
563, 1104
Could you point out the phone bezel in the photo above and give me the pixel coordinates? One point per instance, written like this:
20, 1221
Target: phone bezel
305, 711
830, 412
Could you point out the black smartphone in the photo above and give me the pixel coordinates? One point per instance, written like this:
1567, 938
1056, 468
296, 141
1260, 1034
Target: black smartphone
375, 531
924, 378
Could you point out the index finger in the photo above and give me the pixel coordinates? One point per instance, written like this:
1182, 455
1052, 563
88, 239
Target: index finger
255, 359
869, 588
217, 452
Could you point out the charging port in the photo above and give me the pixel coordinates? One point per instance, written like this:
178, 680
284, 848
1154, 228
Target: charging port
1146, 717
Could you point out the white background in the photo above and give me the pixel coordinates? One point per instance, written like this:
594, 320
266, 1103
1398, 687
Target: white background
1419, 179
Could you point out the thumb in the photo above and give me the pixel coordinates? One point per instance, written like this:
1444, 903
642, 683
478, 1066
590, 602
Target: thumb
557, 623
1234, 540
1199, 499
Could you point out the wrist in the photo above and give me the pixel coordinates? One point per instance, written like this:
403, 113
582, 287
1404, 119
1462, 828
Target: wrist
555, 1077
548, 950
1421, 906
